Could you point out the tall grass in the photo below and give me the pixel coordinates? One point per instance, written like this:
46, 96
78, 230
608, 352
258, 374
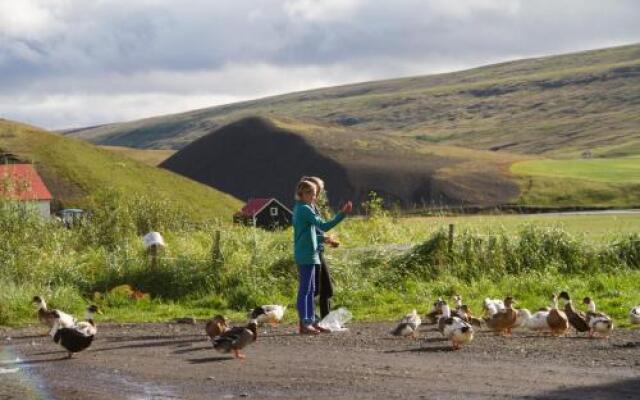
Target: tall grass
251, 266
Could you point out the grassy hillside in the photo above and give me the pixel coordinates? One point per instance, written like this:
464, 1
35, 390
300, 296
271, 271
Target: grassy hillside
75, 170
148, 156
556, 106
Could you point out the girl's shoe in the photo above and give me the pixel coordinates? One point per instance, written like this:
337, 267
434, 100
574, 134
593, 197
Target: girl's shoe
321, 329
308, 330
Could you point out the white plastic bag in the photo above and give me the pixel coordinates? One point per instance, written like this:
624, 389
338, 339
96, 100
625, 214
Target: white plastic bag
336, 319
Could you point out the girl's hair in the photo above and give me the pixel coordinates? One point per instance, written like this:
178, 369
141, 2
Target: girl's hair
317, 181
305, 186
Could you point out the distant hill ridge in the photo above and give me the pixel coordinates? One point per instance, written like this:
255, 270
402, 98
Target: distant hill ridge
557, 106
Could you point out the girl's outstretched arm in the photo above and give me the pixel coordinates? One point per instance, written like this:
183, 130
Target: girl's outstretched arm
309, 216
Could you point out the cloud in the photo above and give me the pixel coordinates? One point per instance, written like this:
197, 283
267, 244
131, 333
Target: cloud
67, 63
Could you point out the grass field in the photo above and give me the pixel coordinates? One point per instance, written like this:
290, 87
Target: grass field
610, 170
74, 171
385, 267
594, 228
593, 182
149, 156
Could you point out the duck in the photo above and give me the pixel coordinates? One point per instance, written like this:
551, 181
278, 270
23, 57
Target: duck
465, 314
458, 332
435, 313
502, 321
74, 339
599, 323
413, 318
454, 329
537, 322
87, 326
47, 317
634, 315
236, 338
270, 313
577, 318
216, 326
557, 319
522, 317
408, 326
492, 306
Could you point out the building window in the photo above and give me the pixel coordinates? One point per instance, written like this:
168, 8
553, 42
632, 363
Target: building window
273, 211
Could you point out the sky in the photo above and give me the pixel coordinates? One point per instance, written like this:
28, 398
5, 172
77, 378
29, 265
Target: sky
75, 63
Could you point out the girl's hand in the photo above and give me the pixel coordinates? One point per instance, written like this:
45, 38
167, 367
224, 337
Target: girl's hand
347, 207
331, 241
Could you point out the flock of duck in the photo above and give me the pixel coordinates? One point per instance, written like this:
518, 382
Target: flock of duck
500, 316
75, 336
458, 325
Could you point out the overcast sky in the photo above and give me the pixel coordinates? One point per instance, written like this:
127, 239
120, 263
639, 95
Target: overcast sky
72, 63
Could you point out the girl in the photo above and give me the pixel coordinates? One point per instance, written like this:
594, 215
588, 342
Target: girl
305, 221
323, 286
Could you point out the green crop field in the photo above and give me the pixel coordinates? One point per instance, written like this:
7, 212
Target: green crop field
588, 182
609, 170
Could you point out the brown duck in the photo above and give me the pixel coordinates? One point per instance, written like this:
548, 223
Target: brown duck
577, 318
215, 326
464, 313
236, 338
557, 319
435, 313
503, 321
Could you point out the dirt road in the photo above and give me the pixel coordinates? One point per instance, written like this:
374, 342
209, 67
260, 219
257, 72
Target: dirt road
171, 361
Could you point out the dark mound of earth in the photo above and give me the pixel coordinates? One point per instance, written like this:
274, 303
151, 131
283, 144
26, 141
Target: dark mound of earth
257, 157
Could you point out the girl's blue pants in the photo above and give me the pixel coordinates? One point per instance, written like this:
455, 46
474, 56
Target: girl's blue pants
304, 304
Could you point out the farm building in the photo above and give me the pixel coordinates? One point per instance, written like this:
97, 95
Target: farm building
21, 182
267, 213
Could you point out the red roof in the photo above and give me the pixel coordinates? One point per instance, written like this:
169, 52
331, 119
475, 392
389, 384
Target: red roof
253, 206
22, 182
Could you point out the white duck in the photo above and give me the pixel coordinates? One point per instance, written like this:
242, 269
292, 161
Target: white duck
492, 306
599, 323
408, 325
522, 318
537, 322
454, 329
88, 327
51, 317
270, 313
412, 318
634, 315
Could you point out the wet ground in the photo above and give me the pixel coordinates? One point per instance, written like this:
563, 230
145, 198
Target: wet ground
174, 361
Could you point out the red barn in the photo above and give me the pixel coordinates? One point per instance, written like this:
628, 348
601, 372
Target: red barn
21, 182
267, 213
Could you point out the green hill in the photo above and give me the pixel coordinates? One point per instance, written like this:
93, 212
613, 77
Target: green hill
556, 106
74, 170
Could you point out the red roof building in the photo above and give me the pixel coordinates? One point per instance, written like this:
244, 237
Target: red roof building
267, 213
22, 182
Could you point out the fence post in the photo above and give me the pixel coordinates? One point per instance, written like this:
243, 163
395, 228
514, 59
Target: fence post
216, 251
153, 253
450, 241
